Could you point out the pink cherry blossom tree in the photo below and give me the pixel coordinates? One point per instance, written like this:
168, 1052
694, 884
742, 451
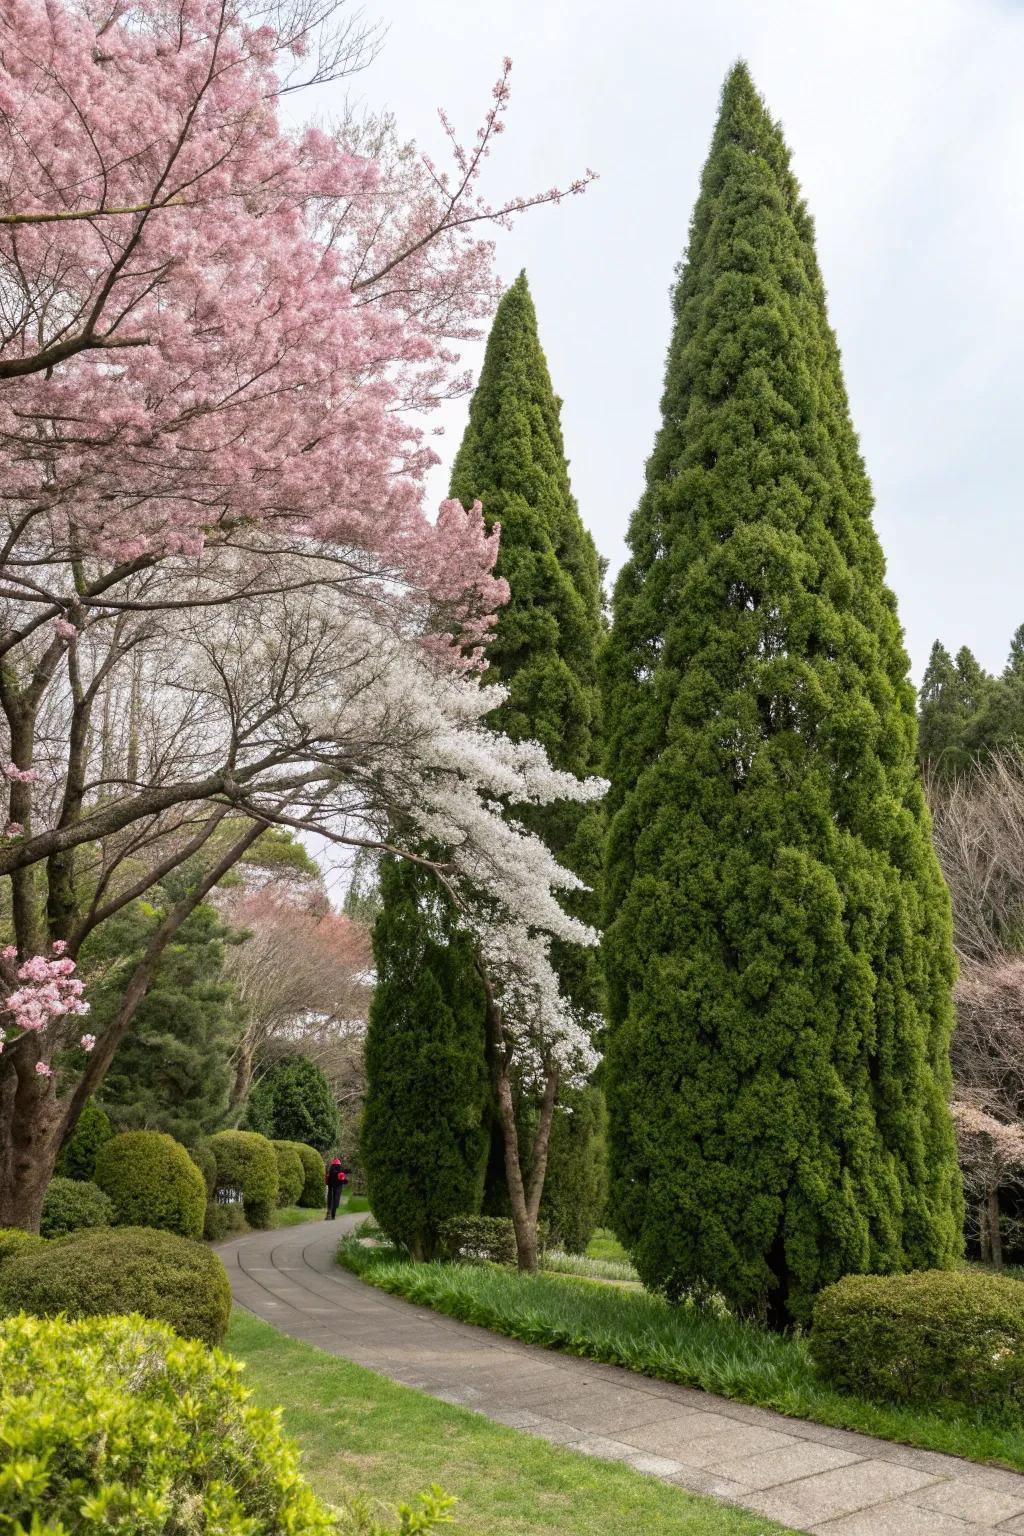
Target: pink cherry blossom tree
222, 604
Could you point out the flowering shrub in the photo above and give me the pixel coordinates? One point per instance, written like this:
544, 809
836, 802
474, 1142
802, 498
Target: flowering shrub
115, 1425
73, 1204
152, 1182
932, 1337
132, 1269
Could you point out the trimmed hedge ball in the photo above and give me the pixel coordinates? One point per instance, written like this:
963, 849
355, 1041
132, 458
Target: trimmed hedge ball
313, 1187
290, 1175
73, 1205
926, 1338
115, 1423
152, 1182
247, 1161
124, 1269
205, 1161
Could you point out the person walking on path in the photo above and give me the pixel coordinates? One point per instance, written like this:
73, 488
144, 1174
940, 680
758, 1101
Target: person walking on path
336, 1177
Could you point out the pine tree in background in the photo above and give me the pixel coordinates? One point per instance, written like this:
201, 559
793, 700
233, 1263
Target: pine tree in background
778, 946
292, 1101
424, 1141
172, 1071
546, 643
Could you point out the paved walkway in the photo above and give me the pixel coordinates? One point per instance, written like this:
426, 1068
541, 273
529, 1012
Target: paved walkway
819, 1480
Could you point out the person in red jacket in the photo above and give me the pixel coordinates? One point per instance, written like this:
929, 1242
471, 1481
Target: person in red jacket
336, 1177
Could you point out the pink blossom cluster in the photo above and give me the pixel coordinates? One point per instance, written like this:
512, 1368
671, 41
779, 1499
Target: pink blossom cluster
16, 775
50, 989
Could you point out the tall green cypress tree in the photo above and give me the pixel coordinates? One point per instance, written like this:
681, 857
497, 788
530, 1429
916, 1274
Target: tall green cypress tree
545, 647
778, 945
424, 1138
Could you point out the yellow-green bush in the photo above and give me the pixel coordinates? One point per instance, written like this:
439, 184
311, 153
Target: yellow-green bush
125, 1269
13, 1240
152, 1182
247, 1161
290, 1175
929, 1337
115, 1425
312, 1196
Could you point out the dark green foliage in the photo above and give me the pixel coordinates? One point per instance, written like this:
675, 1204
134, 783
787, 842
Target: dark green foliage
291, 1176
172, 1070
576, 1185
924, 1338
112, 1425
548, 635
247, 1161
778, 947
152, 1182
14, 1240
478, 1237
966, 715
130, 1269
293, 1102
312, 1192
77, 1158
423, 1142
71, 1205
202, 1155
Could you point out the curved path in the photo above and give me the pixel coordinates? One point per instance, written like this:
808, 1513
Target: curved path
814, 1479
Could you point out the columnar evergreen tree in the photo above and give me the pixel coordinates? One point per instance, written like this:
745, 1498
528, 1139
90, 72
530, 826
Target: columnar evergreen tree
293, 1101
953, 706
424, 1141
778, 946
545, 646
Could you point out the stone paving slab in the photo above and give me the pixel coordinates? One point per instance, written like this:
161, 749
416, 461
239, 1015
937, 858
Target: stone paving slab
828, 1482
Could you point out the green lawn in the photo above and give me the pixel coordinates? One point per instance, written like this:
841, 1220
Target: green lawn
293, 1215
364, 1435
605, 1245
695, 1347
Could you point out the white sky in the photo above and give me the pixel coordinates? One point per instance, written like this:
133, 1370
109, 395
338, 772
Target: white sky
906, 123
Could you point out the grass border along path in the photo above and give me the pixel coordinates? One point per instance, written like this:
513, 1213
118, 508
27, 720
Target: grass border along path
686, 1345
362, 1435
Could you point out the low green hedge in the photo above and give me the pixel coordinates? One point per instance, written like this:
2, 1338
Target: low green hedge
923, 1338
290, 1174
483, 1237
152, 1182
128, 1269
313, 1187
247, 1161
116, 1425
70, 1205
77, 1159
223, 1221
13, 1240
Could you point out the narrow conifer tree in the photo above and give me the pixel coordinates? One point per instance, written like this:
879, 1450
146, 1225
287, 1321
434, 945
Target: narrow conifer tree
424, 1138
778, 940
545, 650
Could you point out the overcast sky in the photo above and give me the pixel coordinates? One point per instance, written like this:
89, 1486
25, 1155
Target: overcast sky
906, 123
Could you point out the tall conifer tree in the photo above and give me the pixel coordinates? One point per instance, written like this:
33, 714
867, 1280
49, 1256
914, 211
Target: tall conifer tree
778, 946
545, 647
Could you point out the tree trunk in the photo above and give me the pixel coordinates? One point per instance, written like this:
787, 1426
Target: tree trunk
30, 1140
994, 1235
243, 1075
525, 1206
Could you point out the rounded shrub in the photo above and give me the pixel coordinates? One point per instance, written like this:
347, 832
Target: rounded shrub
923, 1338
247, 1161
77, 1158
13, 1240
128, 1269
152, 1182
223, 1221
116, 1424
312, 1195
202, 1155
291, 1177
70, 1205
